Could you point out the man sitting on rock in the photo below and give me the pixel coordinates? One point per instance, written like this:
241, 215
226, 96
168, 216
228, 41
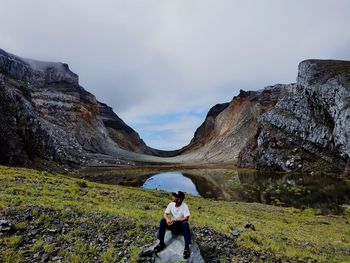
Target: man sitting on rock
178, 224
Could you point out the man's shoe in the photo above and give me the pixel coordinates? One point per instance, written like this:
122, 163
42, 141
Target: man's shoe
187, 253
159, 248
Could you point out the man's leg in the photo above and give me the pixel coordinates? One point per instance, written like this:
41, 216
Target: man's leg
185, 227
161, 234
176, 228
161, 230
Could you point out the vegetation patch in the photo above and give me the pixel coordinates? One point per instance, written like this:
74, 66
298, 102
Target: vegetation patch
56, 203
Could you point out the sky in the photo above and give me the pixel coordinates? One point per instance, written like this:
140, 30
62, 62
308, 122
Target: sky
161, 65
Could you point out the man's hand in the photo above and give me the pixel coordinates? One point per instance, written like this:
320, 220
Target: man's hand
169, 222
167, 219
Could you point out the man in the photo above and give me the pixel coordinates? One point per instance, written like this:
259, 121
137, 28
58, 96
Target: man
178, 224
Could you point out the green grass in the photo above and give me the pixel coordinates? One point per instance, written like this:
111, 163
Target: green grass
11, 241
12, 256
109, 255
21, 226
283, 231
38, 245
80, 252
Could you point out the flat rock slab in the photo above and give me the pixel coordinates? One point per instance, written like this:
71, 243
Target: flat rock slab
173, 252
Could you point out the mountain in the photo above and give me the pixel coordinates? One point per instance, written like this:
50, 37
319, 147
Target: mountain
304, 126
45, 114
309, 128
229, 132
301, 126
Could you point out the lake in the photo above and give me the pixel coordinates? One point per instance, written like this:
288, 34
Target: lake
325, 192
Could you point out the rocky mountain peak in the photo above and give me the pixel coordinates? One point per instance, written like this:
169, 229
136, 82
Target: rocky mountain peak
316, 71
46, 114
302, 126
30, 70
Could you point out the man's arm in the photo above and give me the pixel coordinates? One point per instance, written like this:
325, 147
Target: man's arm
182, 219
167, 219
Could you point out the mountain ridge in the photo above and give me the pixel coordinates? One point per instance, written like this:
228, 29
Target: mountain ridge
302, 126
45, 113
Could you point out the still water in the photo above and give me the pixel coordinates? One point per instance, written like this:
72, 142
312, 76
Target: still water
171, 182
325, 192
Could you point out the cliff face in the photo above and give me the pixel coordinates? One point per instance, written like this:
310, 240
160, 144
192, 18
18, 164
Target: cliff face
303, 126
120, 132
230, 128
44, 113
309, 127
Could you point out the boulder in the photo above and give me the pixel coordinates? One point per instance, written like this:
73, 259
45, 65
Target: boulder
173, 251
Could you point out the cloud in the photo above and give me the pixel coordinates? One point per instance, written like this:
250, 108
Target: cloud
155, 58
170, 131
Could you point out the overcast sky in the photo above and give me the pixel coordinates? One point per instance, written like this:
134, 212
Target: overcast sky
163, 64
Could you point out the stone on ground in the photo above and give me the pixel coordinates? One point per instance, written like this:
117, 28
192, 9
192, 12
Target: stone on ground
173, 252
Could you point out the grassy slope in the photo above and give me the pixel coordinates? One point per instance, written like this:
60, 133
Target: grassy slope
284, 231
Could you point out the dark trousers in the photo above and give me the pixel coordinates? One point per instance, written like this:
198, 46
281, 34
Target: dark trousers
177, 228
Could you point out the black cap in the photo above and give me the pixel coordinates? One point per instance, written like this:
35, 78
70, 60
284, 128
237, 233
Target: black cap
179, 194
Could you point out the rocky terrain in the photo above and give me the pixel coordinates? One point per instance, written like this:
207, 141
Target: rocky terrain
309, 126
302, 126
120, 132
43, 235
50, 217
46, 115
229, 130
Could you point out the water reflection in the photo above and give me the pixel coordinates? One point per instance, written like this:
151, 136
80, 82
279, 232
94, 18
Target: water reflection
171, 182
325, 192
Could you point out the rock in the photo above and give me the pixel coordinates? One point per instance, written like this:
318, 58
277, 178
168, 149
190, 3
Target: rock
214, 247
146, 252
251, 226
6, 226
236, 232
49, 239
53, 230
121, 133
45, 113
4, 222
82, 184
173, 252
44, 257
229, 130
298, 126
309, 119
305, 244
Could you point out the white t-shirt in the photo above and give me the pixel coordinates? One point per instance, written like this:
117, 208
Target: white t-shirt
177, 212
